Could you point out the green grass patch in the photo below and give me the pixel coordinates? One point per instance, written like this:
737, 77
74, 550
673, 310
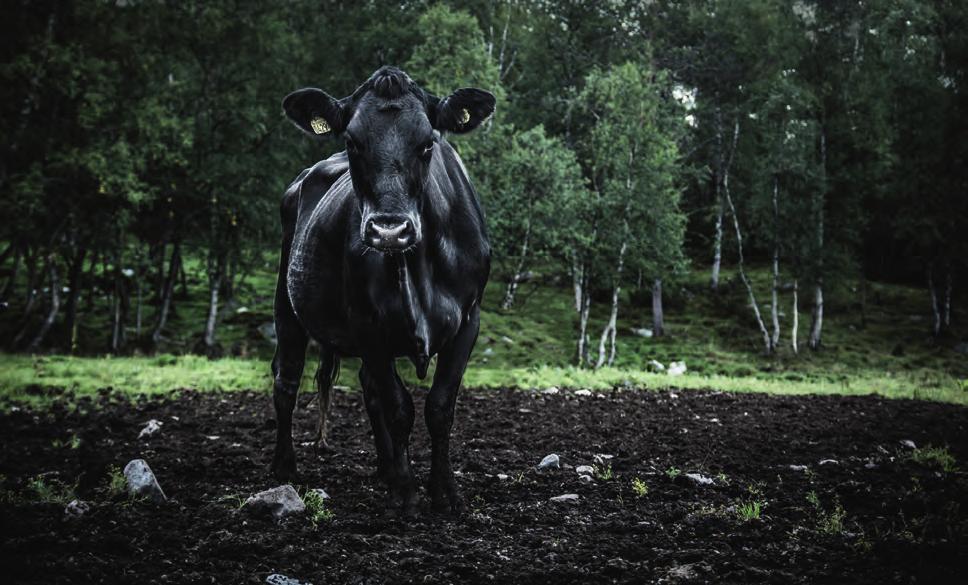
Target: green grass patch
938, 457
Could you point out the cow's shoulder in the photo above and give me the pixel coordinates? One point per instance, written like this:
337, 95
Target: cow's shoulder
305, 192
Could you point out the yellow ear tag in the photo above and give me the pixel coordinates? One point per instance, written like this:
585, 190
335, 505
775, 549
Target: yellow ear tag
320, 126
465, 116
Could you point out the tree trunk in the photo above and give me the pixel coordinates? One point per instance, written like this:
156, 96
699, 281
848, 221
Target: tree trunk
608, 334
935, 309
12, 279
586, 304
946, 315
775, 308
31, 294
122, 302
166, 293
768, 347
816, 325
717, 244
214, 287
577, 274
658, 315
48, 322
796, 317
518, 270
74, 283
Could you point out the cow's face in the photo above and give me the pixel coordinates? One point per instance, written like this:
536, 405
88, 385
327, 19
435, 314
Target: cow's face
388, 126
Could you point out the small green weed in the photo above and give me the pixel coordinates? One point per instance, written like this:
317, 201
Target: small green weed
831, 522
603, 473
51, 490
934, 457
640, 488
750, 510
316, 508
117, 482
673, 472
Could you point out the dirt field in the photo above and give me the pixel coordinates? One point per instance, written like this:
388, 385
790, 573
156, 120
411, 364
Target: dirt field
872, 515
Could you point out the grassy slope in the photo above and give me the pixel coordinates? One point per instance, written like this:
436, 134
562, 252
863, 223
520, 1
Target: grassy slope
532, 345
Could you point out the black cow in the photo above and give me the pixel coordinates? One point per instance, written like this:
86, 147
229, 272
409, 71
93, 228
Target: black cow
384, 255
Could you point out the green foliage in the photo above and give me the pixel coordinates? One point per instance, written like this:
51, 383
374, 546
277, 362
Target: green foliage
117, 484
639, 487
749, 510
673, 472
935, 457
50, 490
316, 508
603, 472
830, 522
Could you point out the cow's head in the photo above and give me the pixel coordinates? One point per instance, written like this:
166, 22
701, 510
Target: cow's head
388, 125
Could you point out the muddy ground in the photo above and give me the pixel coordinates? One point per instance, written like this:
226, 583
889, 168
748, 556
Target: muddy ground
871, 515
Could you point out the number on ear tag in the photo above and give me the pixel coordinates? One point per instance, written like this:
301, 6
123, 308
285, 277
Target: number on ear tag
320, 126
465, 116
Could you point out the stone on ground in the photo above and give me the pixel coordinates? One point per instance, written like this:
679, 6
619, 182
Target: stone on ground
655, 366
583, 392
76, 509
677, 368
585, 470
321, 493
549, 462
277, 503
565, 499
277, 579
150, 428
142, 482
699, 478
909, 444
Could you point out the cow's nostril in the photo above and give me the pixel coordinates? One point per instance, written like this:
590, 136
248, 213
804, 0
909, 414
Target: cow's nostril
390, 233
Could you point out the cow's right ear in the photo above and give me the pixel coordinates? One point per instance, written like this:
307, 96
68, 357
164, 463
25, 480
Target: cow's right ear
315, 112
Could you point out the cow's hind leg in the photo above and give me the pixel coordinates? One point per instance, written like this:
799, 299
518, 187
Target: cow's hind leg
325, 378
439, 414
396, 407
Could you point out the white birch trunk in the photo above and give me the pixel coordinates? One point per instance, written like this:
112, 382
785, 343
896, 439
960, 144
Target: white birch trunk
518, 270
210, 322
586, 303
577, 273
935, 309
816, 325
55, 289
608, 334
796, 317
658, 315
739, 253
775, 309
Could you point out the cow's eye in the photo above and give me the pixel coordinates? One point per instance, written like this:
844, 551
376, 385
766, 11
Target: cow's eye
427, 150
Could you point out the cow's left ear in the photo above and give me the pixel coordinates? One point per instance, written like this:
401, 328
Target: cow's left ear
315, 112
463, 110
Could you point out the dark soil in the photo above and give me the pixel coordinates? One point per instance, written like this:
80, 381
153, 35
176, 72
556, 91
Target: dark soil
902, 521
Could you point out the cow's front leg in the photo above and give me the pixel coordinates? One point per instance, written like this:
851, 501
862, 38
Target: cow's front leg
397, 408
439, 414
287, 369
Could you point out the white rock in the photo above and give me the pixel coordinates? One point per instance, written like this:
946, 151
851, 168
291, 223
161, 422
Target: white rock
584, 470
76, 509
277, 579
677, 368
551, 390
506, 339
602, 458
699, 478
586, 479
673, 396
797, 467
150, 428
550, 462
641, 331
212, 437
829, 462
655, 366
278, 503
565, 499
502, 476
142, 482
321, 493
909, 444
582, 392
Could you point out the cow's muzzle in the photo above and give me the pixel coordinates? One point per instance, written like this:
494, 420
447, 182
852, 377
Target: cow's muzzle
390, 232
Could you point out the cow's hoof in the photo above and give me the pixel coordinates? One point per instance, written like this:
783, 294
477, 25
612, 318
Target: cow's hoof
284, 467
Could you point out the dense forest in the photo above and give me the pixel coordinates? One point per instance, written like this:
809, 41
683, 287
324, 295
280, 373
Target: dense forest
634, 143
